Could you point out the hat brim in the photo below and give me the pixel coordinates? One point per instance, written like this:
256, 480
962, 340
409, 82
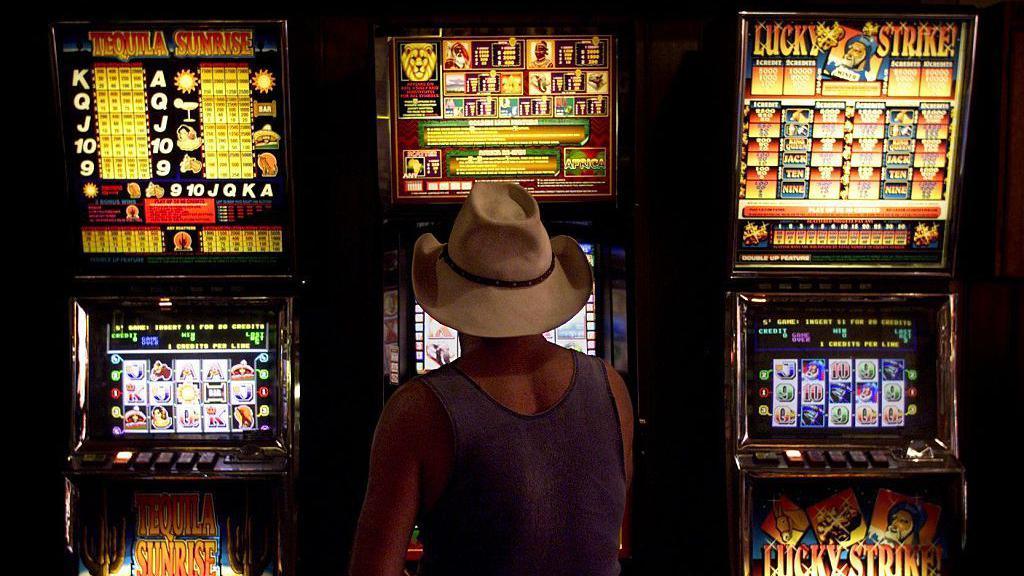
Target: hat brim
493, 312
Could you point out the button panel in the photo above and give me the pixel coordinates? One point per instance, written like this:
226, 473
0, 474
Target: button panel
207, 460
185, 461
143, 461
816, 458
794, 458
825, 459
164, 460
859, 459
181, 462
879, 458
836, 458
766, 458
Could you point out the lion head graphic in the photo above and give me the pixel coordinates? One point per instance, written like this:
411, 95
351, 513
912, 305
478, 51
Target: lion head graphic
419, 60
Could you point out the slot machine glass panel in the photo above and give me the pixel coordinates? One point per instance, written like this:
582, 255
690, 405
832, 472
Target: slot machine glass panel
187, 373
850, 137
844, 370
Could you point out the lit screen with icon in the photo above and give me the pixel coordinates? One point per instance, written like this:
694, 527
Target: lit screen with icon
840, 369
536, 110
186, 374
437, 344
849, 140
176, 144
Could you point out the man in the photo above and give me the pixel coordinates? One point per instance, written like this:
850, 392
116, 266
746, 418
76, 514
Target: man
855, 65
541, 55
516, 457
458, 57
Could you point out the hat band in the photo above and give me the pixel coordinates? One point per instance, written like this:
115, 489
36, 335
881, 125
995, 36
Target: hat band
494, 281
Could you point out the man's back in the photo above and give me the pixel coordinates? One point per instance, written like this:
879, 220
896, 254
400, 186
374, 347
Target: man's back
519, 456
533, 491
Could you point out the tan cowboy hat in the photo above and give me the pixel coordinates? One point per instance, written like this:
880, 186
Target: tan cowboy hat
500, 275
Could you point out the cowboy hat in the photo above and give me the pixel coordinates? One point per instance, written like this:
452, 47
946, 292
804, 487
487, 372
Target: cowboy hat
500, 275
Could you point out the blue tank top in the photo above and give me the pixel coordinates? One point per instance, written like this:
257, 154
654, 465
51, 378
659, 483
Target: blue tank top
529, 495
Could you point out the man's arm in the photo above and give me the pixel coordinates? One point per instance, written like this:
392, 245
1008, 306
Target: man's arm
624, 405
412, 427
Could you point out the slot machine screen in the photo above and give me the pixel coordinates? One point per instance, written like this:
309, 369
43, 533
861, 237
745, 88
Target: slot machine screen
841, 369
176, 146
536, 110
850, 140
182, 373
437, 344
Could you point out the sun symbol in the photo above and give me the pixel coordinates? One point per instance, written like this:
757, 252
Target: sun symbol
186, 81
90, 190
263, 81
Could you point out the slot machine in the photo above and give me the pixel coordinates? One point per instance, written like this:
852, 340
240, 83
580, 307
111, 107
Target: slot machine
539, 107
841, 383
183, 441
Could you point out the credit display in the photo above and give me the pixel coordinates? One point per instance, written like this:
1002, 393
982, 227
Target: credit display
536, 110
841, 369
850, 140
196, 375
854, 526
437, 344
176, 149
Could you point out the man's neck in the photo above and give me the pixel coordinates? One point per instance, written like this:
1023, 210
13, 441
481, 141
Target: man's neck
517, 354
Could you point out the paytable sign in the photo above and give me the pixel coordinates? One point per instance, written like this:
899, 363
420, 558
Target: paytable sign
176, 146
539, 111
849, 142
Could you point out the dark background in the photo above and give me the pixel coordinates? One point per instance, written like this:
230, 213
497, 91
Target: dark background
683, 68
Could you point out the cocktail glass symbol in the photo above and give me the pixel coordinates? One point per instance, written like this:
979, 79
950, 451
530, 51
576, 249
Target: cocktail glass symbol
188, 107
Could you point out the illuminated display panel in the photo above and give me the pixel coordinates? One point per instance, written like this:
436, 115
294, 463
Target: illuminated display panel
849, 140
437, 344
176, 146
854, 525
181, 374
841, 369
181, 527
537, 110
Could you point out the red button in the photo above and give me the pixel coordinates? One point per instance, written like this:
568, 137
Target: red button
263, 391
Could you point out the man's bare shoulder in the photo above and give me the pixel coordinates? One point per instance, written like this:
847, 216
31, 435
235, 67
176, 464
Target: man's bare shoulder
414, 407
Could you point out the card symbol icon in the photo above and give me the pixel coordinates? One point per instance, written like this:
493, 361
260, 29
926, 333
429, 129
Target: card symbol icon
135, 369
785, 393
893, 416
840, 370
893, 392
784, 416
866, 370
867, 415
785, 369
839, 415
813, 393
